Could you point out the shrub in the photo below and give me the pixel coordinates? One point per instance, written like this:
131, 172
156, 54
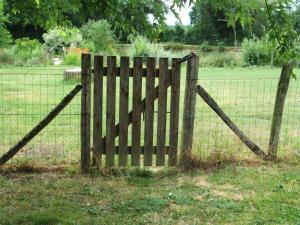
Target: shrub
60, 37
26, 45
88, 45
5, 37
205, 47
174, 46
72, 59
7, 57
101, 36
257, 52
221, 46
73, 56
141, 46
29, 51
24, 52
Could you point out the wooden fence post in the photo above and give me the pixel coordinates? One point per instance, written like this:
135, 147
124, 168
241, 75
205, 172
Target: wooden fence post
189, 107
85, 111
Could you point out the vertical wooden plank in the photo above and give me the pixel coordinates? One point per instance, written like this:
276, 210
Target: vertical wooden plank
123, 111
149, 112
98, 102
189, 106
174, 112
85, 111
162, 110
110, 110
136, 111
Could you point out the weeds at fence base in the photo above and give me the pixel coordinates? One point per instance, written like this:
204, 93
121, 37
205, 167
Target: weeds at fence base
215, 160
26, 168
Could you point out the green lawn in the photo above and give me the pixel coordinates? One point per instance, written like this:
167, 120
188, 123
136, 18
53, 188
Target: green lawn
234, 195
246, 94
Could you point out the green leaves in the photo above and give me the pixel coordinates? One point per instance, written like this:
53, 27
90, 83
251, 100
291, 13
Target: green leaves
281, 28
100, 34
59, 37
5, 37
132, 16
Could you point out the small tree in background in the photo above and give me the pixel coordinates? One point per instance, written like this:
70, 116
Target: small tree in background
100, 36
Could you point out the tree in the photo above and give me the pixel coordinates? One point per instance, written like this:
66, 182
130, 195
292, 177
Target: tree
101, 36
5, 37
203, 21
297, 18
126, 17
175, 33
209, 23
179, 33
237, 12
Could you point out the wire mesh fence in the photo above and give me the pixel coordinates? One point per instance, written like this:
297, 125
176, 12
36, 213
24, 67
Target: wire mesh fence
28, 94
249, 103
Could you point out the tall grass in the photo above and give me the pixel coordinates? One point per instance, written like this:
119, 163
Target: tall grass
141, 46
221, 59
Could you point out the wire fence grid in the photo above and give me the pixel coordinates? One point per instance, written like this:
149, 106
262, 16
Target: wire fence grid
28, 94
249, 103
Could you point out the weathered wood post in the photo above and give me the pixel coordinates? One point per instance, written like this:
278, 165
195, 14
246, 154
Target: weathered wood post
189, 107
85, 111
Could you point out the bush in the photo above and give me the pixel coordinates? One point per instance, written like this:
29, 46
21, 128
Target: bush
7, 57
141, 46
72, 59
5, 37
88, 45
216, 59
205, 47
100, 36
221, 46
59, 37
24, 52
174, 46
73, 56
257, 52
26, 45
29, 51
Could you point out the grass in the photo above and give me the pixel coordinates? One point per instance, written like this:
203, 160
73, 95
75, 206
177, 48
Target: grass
234, 195
246, 94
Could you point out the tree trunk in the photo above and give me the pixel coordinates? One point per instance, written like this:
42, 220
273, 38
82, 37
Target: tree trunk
272, 59
282, 89
235, 38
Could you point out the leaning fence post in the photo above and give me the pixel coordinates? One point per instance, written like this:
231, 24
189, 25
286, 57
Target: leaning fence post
85, 111
189, 107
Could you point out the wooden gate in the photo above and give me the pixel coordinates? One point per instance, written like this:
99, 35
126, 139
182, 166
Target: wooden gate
132, 108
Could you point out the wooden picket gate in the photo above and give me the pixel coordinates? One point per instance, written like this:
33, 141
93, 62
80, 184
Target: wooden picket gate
141, 111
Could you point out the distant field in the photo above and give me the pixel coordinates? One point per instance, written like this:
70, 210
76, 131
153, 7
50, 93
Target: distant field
246, 94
